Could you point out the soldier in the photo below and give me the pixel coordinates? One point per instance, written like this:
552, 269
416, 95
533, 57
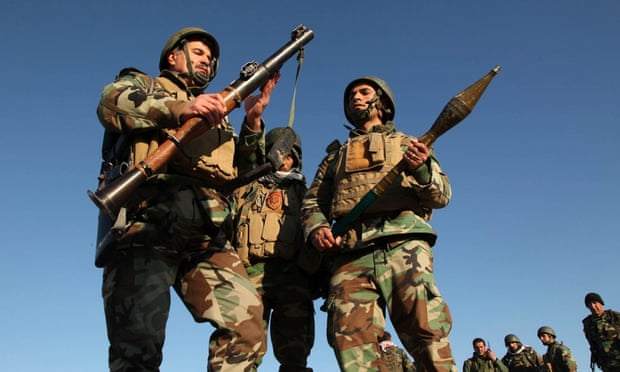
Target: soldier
395, 358
519, 357
558, 356
178, 223
602, 330
270, 243
483, 359
384, 259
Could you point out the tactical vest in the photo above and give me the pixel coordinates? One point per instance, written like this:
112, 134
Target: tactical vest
209, 157
362, 162
269, 221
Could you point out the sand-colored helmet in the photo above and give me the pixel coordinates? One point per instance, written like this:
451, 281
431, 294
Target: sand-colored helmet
511, 338
547, 330
386, 97
187, 34
272, 136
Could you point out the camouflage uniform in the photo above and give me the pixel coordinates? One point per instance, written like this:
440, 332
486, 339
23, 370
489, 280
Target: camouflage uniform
525, 359
270, 243
386, 259
603, 335
177, 234
478, 363
559, 358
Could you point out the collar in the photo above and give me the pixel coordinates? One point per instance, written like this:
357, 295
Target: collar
177, 79
387, 128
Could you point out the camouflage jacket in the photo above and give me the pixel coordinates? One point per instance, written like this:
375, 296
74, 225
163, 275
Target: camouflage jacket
479, 364
145, 111
148, 109
397, 360
603, 335
525, 359
407, 204
559, 358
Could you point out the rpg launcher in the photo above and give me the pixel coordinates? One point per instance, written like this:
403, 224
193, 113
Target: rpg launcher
253, 75
275, 158
453, 113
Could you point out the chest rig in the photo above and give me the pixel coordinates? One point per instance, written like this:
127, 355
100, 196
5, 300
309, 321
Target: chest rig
209, 157
269, 221
361, 163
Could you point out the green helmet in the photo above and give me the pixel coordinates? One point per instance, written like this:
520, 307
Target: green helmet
547, 330
272, 136
384, 99
511, 338
187, 34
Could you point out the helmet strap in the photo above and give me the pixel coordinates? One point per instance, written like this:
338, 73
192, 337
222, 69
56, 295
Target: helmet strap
200, 80
359, 117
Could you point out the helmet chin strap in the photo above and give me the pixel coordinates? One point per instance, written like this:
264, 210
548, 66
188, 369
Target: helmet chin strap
359, 117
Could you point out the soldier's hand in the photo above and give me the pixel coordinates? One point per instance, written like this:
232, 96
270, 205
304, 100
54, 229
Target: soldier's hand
417, 153
256, 104
491, 354
210, 107
323, 239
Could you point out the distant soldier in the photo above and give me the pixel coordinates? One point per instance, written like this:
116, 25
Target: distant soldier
483, 360
269, 242
395, 358
602, 330
519, 357
558, 356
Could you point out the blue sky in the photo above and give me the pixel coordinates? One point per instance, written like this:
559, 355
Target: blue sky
531, 228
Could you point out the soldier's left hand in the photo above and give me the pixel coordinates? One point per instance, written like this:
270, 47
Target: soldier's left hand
417, 153
255, 103
323, 239
491, 354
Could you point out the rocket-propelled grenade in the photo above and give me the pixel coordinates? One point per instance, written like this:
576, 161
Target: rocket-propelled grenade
453, 113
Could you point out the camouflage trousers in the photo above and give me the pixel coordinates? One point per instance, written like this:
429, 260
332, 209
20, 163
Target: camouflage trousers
288, 311
400, 278
173, 249
136, 293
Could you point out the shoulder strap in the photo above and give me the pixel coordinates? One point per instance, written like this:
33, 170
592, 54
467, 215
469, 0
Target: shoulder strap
529, 352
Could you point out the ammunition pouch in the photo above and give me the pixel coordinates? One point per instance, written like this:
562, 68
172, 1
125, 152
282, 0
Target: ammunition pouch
268, 224
210, 157
361, 163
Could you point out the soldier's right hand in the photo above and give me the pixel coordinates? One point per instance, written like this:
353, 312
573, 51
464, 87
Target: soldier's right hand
210, 107
491, 355
323, 239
